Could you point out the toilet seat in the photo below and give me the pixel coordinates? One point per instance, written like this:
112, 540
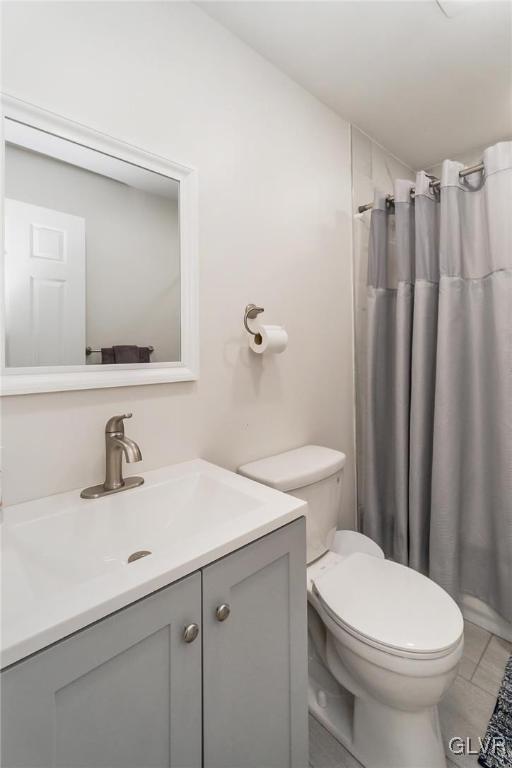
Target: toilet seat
348, 542
389, 606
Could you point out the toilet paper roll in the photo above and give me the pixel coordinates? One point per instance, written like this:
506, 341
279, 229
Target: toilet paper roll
269, 338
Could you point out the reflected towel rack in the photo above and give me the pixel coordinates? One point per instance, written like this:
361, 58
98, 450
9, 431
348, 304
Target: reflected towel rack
91, 351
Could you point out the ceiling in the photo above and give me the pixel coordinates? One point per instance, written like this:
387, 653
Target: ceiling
427, 80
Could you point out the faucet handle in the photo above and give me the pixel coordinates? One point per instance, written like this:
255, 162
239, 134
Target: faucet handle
115, 423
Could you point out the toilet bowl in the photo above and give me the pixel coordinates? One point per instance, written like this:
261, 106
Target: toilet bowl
384, 640
395, 646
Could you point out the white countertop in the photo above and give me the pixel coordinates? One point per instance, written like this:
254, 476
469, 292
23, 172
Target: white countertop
64, 559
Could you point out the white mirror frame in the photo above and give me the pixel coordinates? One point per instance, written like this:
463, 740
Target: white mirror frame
18, 381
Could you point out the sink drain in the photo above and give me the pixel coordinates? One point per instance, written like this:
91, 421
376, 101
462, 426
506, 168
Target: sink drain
137, 555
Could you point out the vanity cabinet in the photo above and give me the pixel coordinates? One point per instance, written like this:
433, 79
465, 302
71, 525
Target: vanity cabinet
123, 693
131, 692
254, 661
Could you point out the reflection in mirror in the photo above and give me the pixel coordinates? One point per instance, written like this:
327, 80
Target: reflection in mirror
92, 256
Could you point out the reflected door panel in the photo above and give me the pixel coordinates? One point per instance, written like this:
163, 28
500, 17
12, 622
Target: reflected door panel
45, 272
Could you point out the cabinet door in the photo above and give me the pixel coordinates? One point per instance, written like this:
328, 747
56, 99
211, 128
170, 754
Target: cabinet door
123, 693
255, 660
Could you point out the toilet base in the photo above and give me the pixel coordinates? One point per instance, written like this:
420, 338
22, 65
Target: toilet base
334, 715
376, 735
390, 738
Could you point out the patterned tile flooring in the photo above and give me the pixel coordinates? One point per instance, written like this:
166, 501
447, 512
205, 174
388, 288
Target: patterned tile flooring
464, 712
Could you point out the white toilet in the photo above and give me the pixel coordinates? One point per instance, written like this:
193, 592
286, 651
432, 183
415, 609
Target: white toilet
384, 640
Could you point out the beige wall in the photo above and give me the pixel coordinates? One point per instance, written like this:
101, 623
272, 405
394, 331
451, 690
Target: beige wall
275, 228
132, 250
372, 168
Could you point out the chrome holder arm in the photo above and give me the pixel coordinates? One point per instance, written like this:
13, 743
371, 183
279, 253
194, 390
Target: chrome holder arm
251, 313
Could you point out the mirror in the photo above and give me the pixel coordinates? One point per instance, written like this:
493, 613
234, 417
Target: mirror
92, 257
97, 265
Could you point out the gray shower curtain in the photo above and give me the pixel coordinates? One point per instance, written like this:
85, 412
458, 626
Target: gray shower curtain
437, 489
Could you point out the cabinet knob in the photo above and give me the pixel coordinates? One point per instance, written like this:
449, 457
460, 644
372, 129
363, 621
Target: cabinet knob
222, 612
190, 633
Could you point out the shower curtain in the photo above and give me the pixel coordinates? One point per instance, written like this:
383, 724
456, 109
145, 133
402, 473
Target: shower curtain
437, 488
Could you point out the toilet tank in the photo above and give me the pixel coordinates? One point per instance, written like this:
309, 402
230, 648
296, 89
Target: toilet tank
314, 474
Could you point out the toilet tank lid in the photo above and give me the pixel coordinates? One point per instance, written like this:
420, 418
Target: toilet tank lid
294, 469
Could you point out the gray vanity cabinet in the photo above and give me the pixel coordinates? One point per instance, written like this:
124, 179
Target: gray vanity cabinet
131, 692
255, 657
123, 693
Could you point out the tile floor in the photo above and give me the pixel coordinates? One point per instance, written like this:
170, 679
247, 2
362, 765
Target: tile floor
464, 712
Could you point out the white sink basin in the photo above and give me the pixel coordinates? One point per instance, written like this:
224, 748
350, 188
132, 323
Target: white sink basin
65, 559
78, 542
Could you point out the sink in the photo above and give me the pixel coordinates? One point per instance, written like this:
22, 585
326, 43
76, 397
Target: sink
84, 541
65, 560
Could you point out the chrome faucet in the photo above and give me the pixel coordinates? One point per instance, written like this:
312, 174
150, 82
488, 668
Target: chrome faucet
116, 444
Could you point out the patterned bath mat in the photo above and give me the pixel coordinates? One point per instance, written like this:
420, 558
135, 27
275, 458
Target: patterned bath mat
496, 751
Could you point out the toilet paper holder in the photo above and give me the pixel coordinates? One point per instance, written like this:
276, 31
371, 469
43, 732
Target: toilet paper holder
251, 313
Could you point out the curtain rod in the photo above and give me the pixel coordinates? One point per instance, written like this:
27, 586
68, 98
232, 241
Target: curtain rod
434, 184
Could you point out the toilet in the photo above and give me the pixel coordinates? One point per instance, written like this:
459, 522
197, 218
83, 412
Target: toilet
384, 641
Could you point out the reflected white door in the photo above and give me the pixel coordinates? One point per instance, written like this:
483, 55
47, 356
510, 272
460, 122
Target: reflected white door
44, 286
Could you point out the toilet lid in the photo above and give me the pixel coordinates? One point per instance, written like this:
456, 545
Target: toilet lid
390, 605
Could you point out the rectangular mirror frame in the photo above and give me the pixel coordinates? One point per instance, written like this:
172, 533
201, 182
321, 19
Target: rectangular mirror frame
17, 381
